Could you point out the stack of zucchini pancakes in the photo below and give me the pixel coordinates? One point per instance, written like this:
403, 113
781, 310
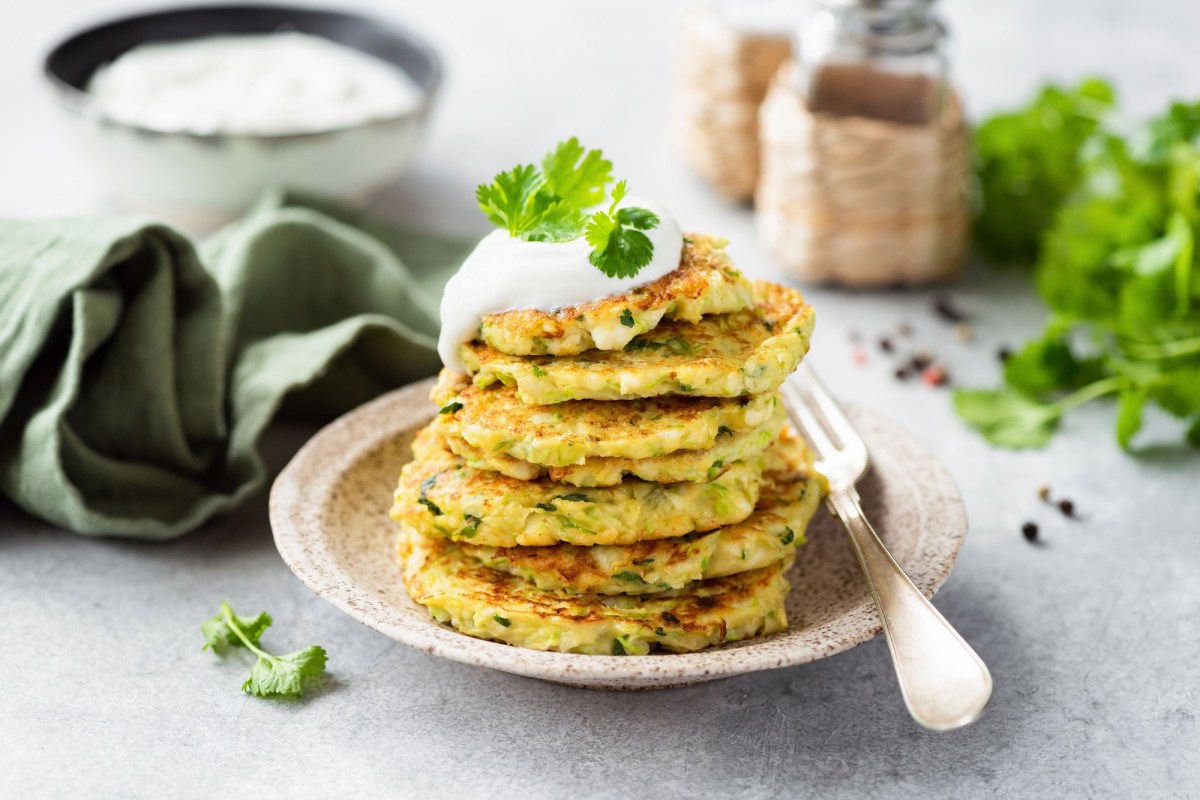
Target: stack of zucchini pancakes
617, 477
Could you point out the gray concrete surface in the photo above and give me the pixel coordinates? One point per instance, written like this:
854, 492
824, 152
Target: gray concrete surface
1093, 637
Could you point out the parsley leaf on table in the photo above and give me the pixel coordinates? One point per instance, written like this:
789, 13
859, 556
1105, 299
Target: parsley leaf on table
1048, 364
1027, 163
271, 676
219, 635
1118, 267
285, 675
1010, 418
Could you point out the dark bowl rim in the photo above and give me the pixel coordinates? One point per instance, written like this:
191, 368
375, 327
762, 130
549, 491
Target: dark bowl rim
80, 102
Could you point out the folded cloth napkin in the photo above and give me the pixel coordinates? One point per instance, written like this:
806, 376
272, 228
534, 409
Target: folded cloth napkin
138, 370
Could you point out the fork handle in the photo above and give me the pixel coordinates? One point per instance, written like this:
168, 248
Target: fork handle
944, 683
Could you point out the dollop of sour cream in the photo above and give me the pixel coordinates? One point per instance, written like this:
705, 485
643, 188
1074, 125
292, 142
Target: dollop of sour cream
504, 274
257, 84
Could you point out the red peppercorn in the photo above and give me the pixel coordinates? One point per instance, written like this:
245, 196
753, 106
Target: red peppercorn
934, 375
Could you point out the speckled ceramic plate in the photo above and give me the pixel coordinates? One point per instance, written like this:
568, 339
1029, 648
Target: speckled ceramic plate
329, 514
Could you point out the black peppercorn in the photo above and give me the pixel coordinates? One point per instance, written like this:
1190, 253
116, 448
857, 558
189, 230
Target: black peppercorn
1030, 531
1067, 508
945, 308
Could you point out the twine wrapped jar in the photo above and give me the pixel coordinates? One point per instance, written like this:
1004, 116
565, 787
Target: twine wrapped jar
864, 157
724, 72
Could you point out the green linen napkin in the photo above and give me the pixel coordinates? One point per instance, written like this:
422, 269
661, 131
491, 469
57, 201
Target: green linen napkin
138, 370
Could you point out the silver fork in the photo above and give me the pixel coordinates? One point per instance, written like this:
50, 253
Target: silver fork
944, 683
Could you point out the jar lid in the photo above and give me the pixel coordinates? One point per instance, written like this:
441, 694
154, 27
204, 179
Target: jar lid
899, 26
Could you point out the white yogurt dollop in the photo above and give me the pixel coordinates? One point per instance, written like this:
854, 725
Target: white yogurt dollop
262, 84
504, 274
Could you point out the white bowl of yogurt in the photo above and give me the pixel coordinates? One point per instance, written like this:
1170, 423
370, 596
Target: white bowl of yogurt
192, 113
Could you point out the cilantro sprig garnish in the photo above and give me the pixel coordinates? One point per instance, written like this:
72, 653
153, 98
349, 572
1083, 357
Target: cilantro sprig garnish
558, 204
620, 247
271, 676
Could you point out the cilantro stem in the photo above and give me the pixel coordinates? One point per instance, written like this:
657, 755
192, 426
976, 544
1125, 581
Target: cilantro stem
1164, 350
227, 615
1089, 392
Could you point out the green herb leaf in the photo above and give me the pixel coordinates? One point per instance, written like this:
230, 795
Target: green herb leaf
426, 485
1027, 162
1113, 222
450, 408
555, 205
510, 200
619, 248
503, 620
558, 222
1046, 365
627, 318
469, 530
1006, 417
286, 675
1129, 414
1193, 433
678, 345
218, 633
576, 175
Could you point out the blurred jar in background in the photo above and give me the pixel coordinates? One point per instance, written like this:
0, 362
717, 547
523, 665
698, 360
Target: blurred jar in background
864, 160
729, 51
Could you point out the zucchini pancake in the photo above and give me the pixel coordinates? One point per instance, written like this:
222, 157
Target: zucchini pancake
725, 355
706, 282
609, 470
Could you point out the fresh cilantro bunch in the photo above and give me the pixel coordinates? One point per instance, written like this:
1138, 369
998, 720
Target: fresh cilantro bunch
1026, 162
285, 676
1118, 268
557, 204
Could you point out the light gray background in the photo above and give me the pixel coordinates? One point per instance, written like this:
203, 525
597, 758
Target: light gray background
1093, 638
